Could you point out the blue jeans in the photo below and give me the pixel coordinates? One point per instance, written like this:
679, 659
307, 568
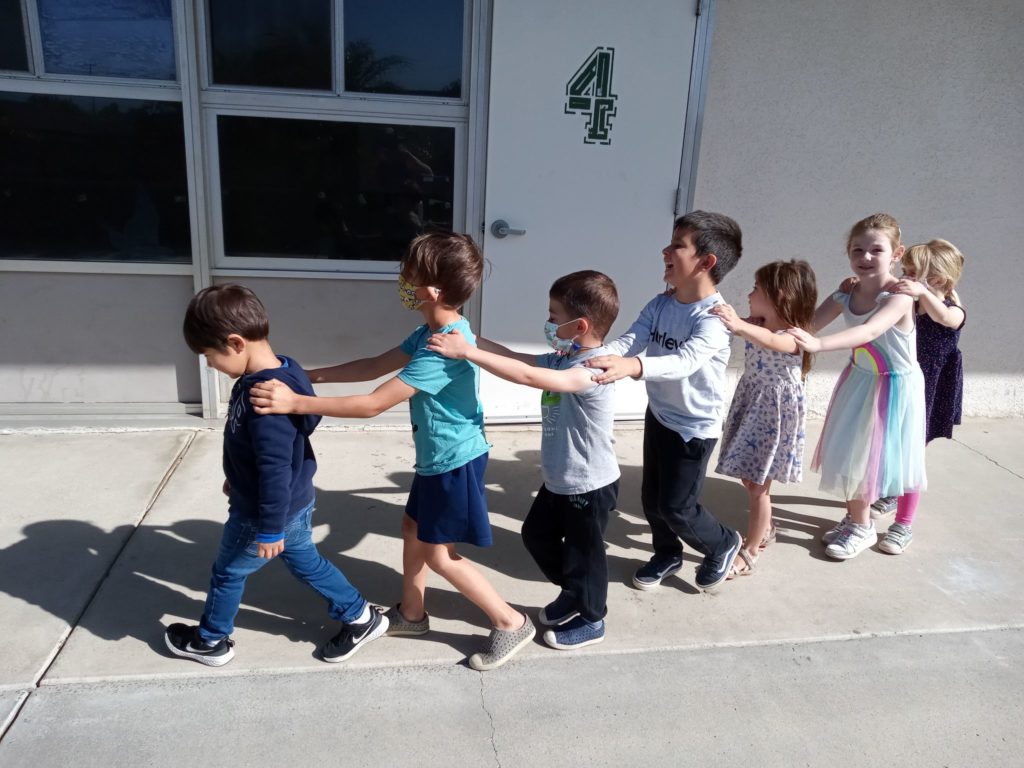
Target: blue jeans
238, 558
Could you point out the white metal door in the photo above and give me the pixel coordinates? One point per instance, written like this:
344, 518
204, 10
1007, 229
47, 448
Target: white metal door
585, 135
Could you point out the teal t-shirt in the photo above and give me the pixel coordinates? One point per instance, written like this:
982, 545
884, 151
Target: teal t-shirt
447, 418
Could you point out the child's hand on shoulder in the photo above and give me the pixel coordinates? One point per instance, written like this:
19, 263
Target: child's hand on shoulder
848, 285
614, 368
910, 288
452, 345
727, 314
272, 396
806, 341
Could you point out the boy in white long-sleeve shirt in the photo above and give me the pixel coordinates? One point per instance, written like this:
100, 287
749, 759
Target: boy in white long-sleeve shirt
687, 350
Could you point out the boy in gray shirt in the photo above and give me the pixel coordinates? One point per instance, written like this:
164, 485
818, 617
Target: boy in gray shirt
564, 529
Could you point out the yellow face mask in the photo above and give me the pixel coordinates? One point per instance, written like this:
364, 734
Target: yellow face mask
407, 294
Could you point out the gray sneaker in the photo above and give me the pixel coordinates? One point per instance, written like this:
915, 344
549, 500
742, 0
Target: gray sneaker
896, 539
833, 533
884, 507
502, 645
398, 625
852, 540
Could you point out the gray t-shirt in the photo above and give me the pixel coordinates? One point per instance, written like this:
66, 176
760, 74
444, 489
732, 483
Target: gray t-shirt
578, 445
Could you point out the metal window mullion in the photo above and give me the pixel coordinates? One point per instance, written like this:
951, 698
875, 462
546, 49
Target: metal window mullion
30, 15
338, 47
98, 89
190, 61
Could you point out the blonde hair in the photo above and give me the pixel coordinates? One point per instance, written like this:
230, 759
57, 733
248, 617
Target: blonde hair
937, 261
883, 222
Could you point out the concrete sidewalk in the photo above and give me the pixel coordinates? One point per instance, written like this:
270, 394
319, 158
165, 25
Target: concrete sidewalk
107, 537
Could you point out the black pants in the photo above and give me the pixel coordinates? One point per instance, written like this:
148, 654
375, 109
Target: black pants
674, 471
565, 535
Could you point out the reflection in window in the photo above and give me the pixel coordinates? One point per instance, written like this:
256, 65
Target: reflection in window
316, 189
108, 38
272, 43
92, 179
12, 37
404, 46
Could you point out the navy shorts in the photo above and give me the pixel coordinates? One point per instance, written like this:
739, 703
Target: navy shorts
451, 507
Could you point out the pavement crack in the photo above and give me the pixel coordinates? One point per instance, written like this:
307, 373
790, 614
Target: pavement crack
490, 719
989, 458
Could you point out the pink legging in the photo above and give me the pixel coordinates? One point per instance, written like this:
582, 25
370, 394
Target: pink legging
906, 506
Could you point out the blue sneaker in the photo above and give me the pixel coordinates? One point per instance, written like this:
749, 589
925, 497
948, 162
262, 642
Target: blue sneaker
559, 611
715, 568
654, 571
578, 633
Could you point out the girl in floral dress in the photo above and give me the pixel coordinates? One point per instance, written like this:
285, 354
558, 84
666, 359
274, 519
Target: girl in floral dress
763, 438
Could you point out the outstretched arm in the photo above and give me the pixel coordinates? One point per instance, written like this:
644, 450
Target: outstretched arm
274, 396
891, 312
951, 317
454, 345
761, 336
497, 349
365, 369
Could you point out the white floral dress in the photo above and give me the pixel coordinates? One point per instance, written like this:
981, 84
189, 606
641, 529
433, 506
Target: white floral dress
765, 430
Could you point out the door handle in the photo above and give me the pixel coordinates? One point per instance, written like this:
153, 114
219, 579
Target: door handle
500, 228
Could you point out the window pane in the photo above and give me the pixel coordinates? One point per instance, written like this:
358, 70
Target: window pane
92, 179
404, 46
316, 189
108, 38
272, 43
12, 37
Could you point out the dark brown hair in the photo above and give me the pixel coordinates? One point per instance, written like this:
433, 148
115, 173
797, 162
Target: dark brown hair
714, 233
588, 294
448, 261
792, 289
220, 310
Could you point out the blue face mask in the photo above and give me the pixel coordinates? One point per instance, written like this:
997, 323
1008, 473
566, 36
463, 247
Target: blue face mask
561, 346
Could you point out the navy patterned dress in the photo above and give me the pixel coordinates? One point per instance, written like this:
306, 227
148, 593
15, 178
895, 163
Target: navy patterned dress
938, 354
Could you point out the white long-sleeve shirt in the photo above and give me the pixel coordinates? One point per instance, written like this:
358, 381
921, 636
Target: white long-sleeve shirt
687, 351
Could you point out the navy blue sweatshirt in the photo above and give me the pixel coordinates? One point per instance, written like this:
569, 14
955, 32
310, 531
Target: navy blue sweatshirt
268, 460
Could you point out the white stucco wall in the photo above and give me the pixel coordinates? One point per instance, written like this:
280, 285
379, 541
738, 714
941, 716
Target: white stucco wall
820, 112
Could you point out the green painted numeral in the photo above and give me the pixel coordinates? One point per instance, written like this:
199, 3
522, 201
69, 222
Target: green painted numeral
589, 92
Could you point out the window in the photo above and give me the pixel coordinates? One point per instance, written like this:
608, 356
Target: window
108, 38
92, 179
331, 190
404, 47
272, 43
12, 37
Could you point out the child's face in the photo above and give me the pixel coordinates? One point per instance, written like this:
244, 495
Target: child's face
560, 316
682, 263
871, 254
759, 304
933, 284
230, 361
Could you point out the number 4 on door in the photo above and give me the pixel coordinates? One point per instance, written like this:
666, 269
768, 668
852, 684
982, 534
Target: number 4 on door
589, 92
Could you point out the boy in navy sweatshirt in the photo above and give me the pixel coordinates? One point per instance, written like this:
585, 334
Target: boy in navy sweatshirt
268, 467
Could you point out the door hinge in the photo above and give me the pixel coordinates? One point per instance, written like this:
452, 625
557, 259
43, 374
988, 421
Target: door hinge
700, 7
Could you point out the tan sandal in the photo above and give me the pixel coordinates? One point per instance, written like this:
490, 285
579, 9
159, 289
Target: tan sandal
746, 568
769, 538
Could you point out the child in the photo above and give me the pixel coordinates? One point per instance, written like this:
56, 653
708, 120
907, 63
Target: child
764, 432
446, 504
930, 273
564, 529
269, 467
687, 353
872, 442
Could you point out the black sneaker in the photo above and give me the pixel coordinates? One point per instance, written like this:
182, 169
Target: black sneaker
352, 637
656, 570
714, 570
183, 640
559, 611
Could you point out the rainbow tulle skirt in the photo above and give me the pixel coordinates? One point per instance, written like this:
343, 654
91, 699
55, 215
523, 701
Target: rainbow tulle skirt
872, 443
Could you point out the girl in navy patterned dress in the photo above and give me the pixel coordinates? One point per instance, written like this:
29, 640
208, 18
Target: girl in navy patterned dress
763, 439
